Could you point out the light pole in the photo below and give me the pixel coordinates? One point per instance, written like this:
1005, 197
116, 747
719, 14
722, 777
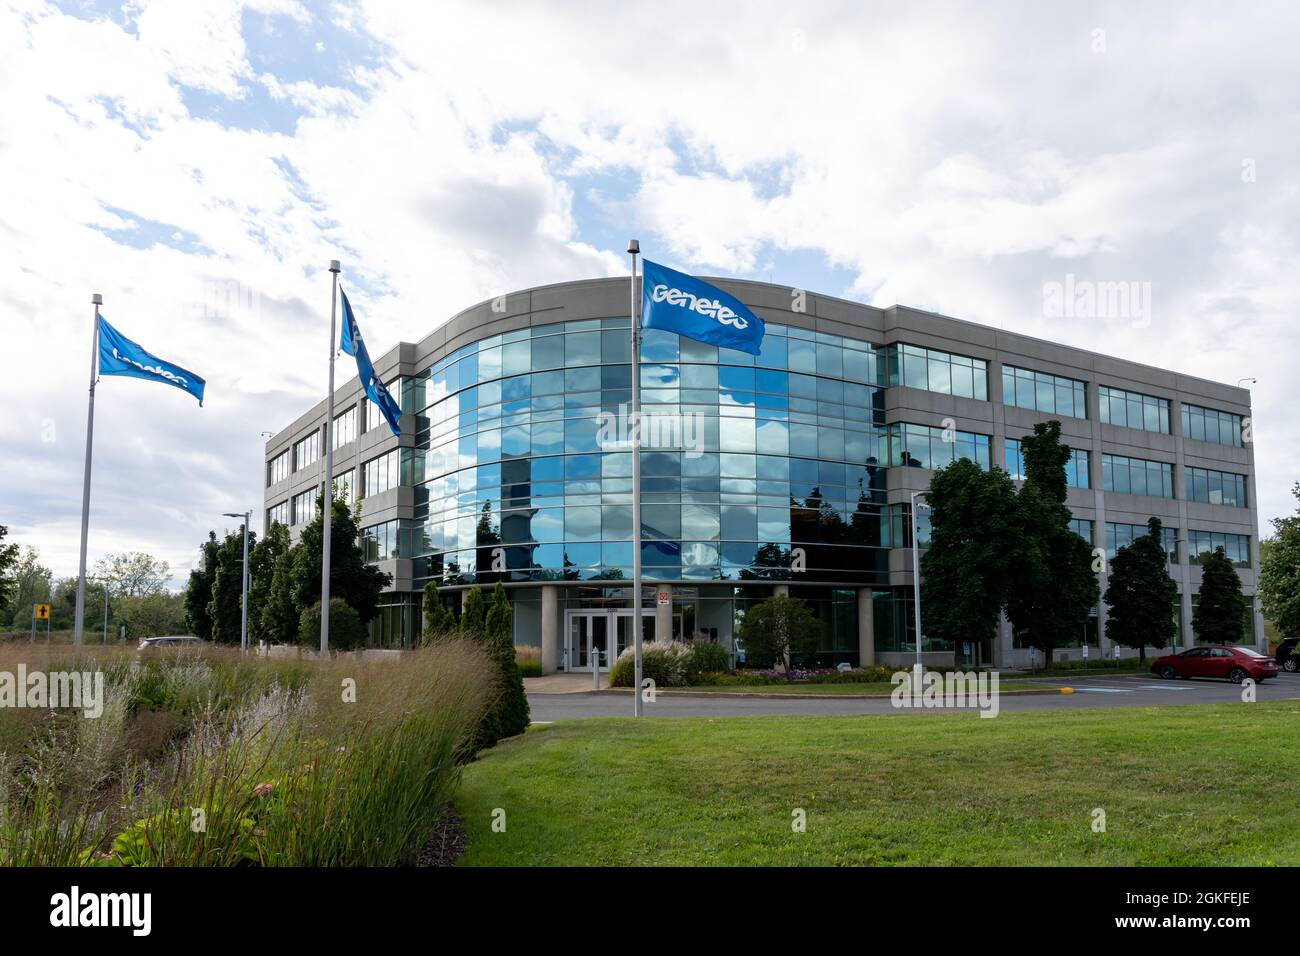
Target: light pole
1240, 380
243, 581
916, 573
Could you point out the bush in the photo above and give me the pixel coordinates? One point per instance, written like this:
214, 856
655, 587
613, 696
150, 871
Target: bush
346, 630
664, 662
705, 658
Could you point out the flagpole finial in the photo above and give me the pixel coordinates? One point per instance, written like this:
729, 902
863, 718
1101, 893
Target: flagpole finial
633, 247
334, 266
96, 299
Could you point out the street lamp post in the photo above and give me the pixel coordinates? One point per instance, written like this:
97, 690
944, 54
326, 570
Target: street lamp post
243, 581
916, 574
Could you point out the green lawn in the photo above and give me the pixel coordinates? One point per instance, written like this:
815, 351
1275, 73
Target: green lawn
871, 688
1181, 785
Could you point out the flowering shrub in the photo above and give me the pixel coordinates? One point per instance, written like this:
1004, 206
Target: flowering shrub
664, 662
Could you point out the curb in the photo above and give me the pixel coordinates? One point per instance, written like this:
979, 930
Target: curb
677, 692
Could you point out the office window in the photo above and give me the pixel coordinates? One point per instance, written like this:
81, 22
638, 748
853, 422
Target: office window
1214, 487
924, 446
304, 506
1201, 544
382, 473
1082, 527
1076, 469
1137, 476
936, 371
345, 486
345, 427
278, 514
277, 469
1044, 392
1206, 424
379, 542
1133, 410
306, 451
1120, 535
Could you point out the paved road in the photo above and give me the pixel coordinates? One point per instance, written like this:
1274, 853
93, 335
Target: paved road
1143, 691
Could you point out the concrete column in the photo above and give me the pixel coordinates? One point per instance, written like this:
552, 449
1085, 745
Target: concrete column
1004, 644
550, 628
663, 614
866, 628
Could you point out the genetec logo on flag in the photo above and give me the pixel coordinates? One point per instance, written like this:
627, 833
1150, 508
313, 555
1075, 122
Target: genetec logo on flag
676, 302
351, 342
118, 355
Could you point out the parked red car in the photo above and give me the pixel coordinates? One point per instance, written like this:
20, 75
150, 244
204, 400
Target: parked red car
1216, 660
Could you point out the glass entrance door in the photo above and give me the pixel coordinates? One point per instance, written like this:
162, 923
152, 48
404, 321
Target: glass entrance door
588, 640
602, 635
624, 634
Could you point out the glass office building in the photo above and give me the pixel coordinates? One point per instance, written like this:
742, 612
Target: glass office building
784, 473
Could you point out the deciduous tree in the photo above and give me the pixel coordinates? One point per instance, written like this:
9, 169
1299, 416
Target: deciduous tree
973, 525
1053, 585
779, 631
1279, 572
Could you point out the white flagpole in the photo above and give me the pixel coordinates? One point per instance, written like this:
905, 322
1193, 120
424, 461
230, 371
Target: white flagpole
97, 300
633, 248
327, 500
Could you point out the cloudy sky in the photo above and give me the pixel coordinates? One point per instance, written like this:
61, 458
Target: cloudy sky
199, 164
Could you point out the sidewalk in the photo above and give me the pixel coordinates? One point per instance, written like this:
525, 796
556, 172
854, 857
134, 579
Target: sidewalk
562, 684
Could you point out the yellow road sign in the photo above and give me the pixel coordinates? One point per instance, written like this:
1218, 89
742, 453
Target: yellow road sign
42, 612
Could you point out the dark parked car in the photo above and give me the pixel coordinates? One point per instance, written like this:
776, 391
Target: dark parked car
1216, 660
1288, 657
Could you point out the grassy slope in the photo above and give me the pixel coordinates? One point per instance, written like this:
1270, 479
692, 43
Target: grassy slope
1193, 785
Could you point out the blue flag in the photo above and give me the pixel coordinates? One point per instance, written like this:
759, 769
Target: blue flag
118, 355
351, 342
676, 302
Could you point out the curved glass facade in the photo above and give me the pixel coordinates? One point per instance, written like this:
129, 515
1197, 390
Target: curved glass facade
744, 458
759, 474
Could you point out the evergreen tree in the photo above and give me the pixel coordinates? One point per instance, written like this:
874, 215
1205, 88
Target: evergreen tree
1279, 572
1220, 612
225, 609
438, 618
262, 562
351, 578
1054, 586
963, 572
508, 714
1140, 594
472, 613
198, 592
280, 616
